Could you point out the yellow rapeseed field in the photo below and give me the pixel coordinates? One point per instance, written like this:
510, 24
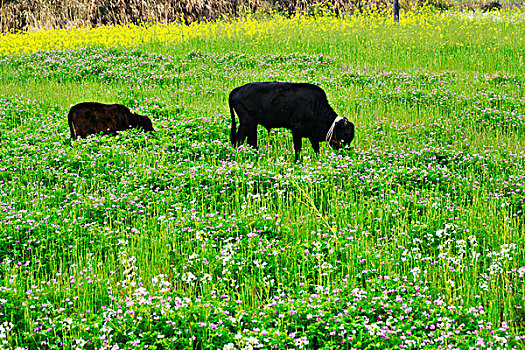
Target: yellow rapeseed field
415, 28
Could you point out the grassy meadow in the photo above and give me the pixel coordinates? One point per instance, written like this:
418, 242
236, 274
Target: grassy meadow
413, 237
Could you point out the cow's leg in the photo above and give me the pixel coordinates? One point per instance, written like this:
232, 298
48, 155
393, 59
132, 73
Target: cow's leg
297, 143
252, 137
248, 130
241, 134
315, 145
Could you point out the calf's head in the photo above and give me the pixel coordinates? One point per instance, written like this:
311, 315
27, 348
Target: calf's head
143, 122
343, 134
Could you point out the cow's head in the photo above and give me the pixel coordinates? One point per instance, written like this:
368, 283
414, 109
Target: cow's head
144, 123
343, 134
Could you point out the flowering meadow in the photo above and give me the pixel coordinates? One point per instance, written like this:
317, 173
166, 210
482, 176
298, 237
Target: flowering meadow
412, 237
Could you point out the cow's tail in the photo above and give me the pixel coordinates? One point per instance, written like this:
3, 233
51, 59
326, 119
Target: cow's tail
71, 127
233, 131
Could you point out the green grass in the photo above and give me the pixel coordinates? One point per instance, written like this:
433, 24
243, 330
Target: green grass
412, 237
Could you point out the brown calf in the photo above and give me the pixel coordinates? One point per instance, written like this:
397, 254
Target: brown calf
92, 118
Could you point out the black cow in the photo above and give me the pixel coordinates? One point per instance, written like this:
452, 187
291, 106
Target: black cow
92, 118
302, 108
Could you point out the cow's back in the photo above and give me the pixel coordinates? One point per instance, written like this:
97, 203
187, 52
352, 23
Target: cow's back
281, 104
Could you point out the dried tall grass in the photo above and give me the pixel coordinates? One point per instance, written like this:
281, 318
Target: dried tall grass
24, 15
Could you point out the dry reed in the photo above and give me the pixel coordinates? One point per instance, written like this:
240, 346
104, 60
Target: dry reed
27, 15
24, 15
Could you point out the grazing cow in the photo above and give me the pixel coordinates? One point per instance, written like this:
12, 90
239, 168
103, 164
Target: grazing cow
303, 108
92, 118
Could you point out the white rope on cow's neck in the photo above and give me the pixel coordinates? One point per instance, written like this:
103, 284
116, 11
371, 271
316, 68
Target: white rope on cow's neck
332, 127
